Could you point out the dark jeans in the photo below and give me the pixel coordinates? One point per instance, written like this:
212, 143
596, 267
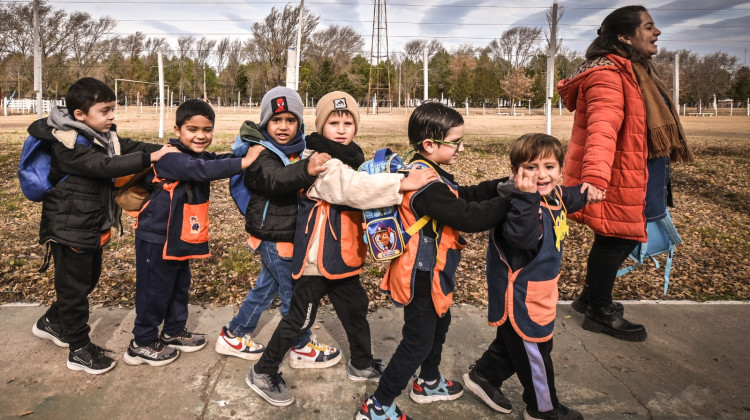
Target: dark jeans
76, 275
509, 354
606, 256
161, 293
421, 345
350, 301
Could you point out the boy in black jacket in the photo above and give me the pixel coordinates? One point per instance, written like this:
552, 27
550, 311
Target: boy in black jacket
79, 211
172, 229
270, 219
422, 279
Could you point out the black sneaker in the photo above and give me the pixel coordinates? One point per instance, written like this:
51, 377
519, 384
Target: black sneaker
49, 331
155, 354
90, 359
491, 395
372, 410
184, 341
560, 413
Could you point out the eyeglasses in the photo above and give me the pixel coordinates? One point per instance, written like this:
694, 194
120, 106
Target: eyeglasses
449, 143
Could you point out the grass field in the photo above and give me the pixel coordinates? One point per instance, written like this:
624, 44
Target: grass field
711, 215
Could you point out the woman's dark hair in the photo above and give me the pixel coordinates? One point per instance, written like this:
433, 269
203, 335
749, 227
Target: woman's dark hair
623, 21
432, 120
191, 108
87, 92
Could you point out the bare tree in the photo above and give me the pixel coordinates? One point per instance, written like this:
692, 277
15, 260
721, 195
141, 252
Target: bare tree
516, 45
275, 34
339, 44
203, 50
88, 43
184, 47
414, 50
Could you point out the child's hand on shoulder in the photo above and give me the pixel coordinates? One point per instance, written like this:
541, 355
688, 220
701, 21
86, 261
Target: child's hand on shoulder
155, 156
526, 180
418, 178
251, 155
316, 161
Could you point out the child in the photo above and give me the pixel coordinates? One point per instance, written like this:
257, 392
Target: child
79, 212
171, 229
527, 248
328, 249
270, 220
423, 278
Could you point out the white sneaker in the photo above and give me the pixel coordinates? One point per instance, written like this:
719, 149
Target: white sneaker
314, 356
242, 347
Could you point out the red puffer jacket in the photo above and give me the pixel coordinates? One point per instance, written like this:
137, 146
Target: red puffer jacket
607, 146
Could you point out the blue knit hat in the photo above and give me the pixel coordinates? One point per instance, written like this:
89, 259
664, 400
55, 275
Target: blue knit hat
277, 100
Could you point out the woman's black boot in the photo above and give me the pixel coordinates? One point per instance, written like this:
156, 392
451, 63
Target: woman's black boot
608, 321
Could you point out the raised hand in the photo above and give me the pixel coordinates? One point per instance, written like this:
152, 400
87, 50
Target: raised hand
316, 161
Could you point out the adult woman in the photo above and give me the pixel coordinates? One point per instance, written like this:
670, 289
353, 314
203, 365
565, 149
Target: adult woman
626, 131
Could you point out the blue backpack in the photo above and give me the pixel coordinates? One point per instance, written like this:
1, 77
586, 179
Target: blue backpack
385, 235
34, 166
237, 188
662, 239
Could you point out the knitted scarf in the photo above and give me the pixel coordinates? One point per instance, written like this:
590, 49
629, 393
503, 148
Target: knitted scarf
351, 154
294, 147
665, 134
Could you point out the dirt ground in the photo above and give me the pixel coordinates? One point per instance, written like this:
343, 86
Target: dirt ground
710, 214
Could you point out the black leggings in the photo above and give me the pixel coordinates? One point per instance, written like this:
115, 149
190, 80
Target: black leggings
606, 256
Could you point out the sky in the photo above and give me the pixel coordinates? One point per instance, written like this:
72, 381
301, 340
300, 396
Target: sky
703, 26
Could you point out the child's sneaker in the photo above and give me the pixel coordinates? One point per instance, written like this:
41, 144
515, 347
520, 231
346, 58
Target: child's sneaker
184, 341
271, 387
370, 373
491, 395
560, 413
242, 347
49, 331
371, 409
155, 354
314, 356
442, 390
90, 359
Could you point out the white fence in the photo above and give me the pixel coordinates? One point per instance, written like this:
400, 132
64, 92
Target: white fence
27, 106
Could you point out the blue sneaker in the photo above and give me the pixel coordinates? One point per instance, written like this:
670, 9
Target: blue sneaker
442, 390
372, 410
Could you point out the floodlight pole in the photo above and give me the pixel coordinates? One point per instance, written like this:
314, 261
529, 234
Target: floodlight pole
161, 95
299, 43
37, 61
551, 53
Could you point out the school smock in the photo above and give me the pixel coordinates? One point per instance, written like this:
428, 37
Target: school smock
329, 237
436, 248
523, 261
176, 213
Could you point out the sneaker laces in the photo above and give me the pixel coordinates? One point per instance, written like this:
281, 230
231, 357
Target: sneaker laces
157, 345
378, 366
276, 380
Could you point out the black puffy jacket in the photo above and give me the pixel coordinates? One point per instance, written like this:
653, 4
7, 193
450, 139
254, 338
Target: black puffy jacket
272, 212
81, 206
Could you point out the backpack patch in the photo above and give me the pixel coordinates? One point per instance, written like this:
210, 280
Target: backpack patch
385, 235
34, 167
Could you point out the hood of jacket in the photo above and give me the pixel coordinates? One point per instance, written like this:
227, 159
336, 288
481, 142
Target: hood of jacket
568, 88
65, 129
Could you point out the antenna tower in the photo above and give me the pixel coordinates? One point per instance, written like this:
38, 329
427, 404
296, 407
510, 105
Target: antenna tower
379, 86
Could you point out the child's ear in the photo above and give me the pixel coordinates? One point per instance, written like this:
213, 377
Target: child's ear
79, 115
177, 131
513, 170
428, 145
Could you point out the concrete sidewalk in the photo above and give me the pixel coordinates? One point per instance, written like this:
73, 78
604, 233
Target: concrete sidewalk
694, 364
